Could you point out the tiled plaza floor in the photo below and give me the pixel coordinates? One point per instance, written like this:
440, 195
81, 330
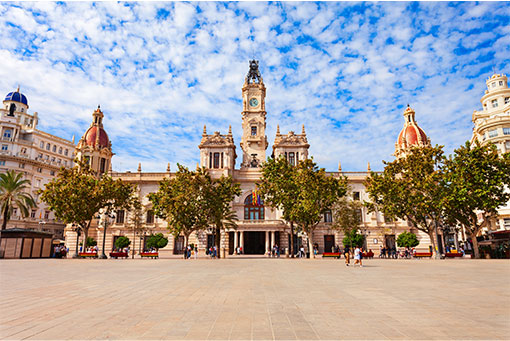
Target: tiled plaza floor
254, 299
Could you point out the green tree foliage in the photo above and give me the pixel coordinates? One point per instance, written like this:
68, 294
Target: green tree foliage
181, 201
13, 192
410, 188
353, 238
122, 242
317, 193
76, 195
407, 239
476, 181
192, 200
90, 242
279, 190
156, 241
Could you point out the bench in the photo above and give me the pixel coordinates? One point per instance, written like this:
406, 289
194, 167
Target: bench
422, 254
118, 254
149, 255
331, 254
453, 254
88, 254
369, 254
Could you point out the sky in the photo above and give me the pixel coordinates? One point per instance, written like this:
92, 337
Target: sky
345, 70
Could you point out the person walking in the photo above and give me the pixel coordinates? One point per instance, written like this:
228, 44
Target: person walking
356, 255
347, 256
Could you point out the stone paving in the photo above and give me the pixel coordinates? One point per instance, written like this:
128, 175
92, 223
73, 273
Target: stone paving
254, 298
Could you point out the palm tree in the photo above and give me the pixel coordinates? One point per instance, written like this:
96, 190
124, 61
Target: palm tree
12, 193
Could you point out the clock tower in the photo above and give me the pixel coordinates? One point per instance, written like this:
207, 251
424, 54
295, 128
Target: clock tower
254, 139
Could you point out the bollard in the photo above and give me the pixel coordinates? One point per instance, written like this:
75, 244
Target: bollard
287, 252
223, 253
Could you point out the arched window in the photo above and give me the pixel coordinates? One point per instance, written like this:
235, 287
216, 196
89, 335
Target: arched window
12, 109
251, 211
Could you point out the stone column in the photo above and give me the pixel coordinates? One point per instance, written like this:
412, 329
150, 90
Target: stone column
242, 239
236, 242
272, 239
267, 241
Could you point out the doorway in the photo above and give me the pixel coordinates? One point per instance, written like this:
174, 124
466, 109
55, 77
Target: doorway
390, 241
179, 245
254, 243
329, 242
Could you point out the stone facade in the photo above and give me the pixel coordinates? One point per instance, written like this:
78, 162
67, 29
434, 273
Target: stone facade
35, 153
492, 124
259, 227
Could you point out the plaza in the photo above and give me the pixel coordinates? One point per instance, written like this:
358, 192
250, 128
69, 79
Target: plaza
244, 297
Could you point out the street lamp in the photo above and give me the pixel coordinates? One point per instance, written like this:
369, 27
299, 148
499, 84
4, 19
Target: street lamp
77, 230
105, 217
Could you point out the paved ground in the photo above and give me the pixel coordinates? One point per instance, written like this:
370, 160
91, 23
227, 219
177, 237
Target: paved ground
254, 299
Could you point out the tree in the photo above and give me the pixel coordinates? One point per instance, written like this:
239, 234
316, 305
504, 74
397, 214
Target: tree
135, 221
352, 238
76, 195
407, 239
410, 188
157, 241
279, 190
13, 193
317, 193
218, 196
181, 201
122, 242
348, 218
476, 180
90, 242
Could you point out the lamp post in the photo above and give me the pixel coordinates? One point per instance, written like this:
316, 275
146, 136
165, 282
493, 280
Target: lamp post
77, 230
105, 216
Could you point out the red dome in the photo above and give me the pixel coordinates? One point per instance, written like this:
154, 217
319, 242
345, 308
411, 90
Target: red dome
90, 137
410, 133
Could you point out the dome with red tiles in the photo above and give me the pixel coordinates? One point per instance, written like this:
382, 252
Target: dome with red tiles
411, 135
91, 137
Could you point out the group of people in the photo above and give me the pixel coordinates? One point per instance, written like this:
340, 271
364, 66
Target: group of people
90, 249
274, 251
388, 252
60, 251
358, 256
191, 250
212, 251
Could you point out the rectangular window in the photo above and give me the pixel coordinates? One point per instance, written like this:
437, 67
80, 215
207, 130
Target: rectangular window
359, 212
7, 133
48, 146
493, 133
494, 103
40, 156
22, 165
150, 217
210, 160
253, 131
54, 149
102, 166
291, 159
221, 160
65, 152
32, 214
216, 160
507, 146
39, 170
52, 172
506, 223
119, 219
60, 150
506, 131
46, 214
5, 146
41, 144
355, 196
493, 84
53, 159
328, 217
500, 82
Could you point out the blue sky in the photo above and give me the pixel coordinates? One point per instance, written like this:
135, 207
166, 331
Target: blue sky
160, 71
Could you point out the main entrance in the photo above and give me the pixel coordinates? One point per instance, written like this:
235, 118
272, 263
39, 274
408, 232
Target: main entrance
254, 242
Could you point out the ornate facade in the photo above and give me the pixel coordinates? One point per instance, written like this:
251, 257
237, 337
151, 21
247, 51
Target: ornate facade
259, 227
35, 153
492, 124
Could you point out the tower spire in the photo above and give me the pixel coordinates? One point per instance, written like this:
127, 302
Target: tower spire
303, 130
205, 131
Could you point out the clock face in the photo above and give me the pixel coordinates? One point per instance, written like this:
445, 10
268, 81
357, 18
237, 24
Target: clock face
254, 102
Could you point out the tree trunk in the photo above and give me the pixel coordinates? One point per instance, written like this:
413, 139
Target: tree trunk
134, 245
218, 241
6, 217
291, 239
433, 241
85, 235
310, 244
476, 251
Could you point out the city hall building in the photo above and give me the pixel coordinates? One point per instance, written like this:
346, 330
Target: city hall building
259, 226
